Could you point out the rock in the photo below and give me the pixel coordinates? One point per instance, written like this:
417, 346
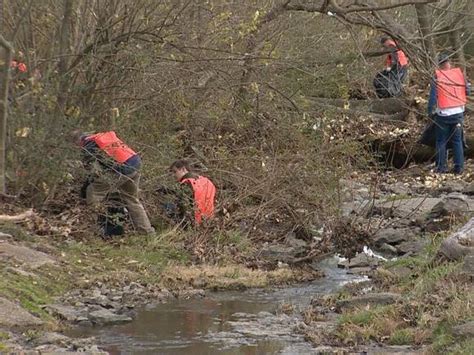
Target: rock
278, 252
360, 271
452, 205
328, 350
392, 349
469, 189
371, 299
394, 235
360, 260
360, 208
388, 249
12, 315
105, 316
459, 244
468, 265
465, 330
405, 208
53, 338
297, 244
68, 313
411, 246
453, 186
399, 188
24, 255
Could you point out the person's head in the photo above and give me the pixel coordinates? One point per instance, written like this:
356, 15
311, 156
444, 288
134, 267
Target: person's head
180, 168
75, 136
387, 42
443, 61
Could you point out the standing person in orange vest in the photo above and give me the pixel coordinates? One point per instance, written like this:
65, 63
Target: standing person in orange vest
119, 173
198, 199
446, 105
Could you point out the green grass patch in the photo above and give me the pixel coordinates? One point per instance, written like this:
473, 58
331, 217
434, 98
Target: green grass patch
465, 347
442, 338
32, 292
143, 256
3, 348
403, 336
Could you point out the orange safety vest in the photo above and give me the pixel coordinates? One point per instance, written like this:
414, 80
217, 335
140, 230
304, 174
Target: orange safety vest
18, 65
204, 195
402, 58
450, 88
109, 143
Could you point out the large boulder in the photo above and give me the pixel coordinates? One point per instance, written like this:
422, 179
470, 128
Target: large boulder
395, 236
412, 208
12, 315
30, 257
68, 313
412, 247
459, 244
453, 205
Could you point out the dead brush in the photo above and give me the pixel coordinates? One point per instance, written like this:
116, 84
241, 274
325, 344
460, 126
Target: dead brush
349, 238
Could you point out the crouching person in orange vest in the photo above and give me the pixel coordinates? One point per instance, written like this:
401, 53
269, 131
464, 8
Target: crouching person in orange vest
119, 172
446, 105
197, 201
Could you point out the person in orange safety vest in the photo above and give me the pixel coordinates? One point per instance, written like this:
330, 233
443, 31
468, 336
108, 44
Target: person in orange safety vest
446, 105
198, 201
388, 82
18, 66
115, 169
396, 60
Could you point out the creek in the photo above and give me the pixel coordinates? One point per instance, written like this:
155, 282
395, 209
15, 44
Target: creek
231, 322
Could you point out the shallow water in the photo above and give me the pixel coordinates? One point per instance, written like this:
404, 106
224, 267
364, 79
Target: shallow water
240, 322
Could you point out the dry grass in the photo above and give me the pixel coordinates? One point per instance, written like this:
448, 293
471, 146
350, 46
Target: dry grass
230, 277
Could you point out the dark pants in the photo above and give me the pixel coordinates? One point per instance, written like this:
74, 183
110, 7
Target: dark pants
449, 128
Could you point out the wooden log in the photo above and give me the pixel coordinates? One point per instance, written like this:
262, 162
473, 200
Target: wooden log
390, 105
400, 153
17, 218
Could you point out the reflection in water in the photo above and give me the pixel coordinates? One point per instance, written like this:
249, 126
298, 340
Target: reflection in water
223, 323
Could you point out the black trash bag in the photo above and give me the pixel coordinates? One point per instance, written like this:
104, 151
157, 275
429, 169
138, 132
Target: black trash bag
112, 223
428, 137
387, 84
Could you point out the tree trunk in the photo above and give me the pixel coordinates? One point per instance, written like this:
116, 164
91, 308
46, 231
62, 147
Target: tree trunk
458, 46
424, 13
6, 56
64, 45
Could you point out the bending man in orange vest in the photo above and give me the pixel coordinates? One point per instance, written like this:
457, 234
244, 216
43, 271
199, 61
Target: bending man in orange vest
396, 60
197, 204
388, 82
120, 167
449, 89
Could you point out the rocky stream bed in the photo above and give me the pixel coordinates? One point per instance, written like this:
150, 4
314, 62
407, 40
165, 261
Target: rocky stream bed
400, 212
